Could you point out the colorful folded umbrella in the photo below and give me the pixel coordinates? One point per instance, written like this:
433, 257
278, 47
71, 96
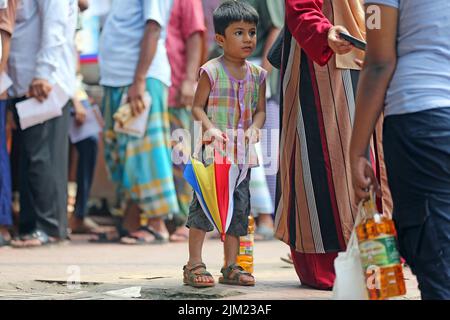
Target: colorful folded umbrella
214, 186
189, 175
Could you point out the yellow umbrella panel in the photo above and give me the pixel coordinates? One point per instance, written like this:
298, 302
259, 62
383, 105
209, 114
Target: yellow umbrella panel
207, 182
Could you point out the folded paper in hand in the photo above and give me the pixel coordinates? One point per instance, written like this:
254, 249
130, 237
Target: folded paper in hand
92, 126
32, 112
5, 82
134, 126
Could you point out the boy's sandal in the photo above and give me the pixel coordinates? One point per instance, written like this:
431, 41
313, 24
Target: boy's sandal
233, 274
191, 273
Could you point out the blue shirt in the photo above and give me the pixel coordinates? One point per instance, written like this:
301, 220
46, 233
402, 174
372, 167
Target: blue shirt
422, 78
120, 43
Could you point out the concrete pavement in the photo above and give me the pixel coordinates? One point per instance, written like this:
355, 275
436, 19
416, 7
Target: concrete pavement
82, 270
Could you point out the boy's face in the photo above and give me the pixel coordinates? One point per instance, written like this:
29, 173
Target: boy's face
239, 40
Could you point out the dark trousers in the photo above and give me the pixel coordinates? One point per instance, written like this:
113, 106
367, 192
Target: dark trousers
417, 154
43, 179
87, 157
5, 176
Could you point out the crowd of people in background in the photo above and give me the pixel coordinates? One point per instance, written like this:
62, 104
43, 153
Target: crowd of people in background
144, 46
343, 132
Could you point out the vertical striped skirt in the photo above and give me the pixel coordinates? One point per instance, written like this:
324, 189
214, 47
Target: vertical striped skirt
316, 205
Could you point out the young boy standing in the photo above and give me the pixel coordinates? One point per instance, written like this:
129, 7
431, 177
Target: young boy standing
230, 96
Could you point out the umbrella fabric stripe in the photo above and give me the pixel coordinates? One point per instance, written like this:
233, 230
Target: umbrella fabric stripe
205, 208
206, 179
221, 171
232, 179
189, 175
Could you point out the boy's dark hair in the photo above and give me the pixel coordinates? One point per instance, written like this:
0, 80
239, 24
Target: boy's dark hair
233, 11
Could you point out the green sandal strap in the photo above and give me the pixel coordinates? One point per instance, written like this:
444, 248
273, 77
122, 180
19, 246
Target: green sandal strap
232, 268
192, 274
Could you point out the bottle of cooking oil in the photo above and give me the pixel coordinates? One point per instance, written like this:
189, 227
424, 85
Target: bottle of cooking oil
246, 243
379, 255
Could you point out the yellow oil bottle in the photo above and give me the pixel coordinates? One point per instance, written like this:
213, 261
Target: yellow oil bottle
379, 255
246, 244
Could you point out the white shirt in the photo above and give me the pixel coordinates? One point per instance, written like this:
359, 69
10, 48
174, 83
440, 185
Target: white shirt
120, 42
42, 45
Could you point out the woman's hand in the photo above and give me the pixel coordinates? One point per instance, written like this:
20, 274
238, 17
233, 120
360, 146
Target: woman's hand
336, 43
363, 178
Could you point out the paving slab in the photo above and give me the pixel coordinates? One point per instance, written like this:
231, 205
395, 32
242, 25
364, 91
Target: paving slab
87, 271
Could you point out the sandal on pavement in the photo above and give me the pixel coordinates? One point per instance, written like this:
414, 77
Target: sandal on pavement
288, 259
191, 273
37, 238
156, 237
105, 237
84, 226
180, 235
233, 274
3, 241
160, 238
264, 233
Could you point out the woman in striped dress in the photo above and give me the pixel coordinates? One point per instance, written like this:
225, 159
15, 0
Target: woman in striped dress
315, 201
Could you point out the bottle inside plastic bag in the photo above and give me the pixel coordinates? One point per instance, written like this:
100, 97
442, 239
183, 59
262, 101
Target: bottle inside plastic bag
379, 254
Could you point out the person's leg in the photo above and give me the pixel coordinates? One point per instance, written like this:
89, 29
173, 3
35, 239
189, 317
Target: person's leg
59, 150
232, 273
196, 240
198, 225
36, 185
87, 157
417, 152
180, 119
148, 176
231, 249
261, 203
5, 180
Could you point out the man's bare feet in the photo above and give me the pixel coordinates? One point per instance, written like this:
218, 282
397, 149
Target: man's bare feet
265, 227
83, 226
181, 234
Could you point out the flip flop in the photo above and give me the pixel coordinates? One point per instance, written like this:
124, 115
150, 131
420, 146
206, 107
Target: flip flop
288, 259
104, 237
265, 232
38, 235
179, 236
4, 242
130, 239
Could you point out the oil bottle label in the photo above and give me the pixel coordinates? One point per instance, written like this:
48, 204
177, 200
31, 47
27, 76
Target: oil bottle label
246, 245
246, 249
379, 252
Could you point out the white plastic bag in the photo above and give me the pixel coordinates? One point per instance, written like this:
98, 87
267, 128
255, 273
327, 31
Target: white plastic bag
350, 283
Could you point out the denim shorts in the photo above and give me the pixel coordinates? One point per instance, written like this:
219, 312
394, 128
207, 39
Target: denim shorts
239, 223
